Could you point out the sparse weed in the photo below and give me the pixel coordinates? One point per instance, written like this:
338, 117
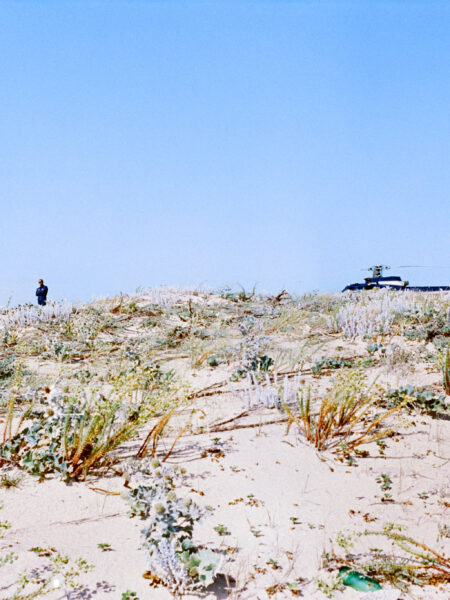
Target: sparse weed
104, 547
329, 583
60, 571
407, 562
221, 529
10, 481
385, 483
10, 557
129, 595
444, 530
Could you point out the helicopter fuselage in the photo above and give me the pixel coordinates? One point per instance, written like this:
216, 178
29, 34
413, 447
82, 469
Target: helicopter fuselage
393, 283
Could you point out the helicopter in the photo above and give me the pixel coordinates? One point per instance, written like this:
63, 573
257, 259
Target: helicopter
393, 282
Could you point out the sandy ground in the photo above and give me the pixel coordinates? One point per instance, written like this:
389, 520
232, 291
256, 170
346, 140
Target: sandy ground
278, 499
263, 481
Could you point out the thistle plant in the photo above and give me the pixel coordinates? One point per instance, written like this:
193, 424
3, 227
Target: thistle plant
250, 350
172, 555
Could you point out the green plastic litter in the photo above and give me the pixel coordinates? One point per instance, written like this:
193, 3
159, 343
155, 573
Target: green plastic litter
358, 581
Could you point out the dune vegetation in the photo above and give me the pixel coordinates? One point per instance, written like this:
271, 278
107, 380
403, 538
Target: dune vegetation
226, 444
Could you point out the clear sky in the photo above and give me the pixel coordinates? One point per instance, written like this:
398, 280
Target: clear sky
283, 143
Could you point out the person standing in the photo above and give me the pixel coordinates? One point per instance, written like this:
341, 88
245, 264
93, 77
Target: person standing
41, 293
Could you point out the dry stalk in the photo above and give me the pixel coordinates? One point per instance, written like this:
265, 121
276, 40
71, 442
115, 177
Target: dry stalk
153, 435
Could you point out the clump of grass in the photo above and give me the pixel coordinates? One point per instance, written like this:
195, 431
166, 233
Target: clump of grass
75, 434
70, 439
343, 415
77, 427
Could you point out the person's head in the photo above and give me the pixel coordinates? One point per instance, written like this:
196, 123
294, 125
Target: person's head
41, 282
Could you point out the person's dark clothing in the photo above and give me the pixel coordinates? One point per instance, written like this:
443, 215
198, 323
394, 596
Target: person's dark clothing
41, 294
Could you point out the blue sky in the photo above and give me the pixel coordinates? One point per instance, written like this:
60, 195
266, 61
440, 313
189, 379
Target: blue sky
283, 143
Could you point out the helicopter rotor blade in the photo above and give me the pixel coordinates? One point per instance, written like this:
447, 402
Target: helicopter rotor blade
409, 267
419, 267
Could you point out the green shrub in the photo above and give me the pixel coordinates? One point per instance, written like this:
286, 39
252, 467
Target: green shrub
324, 363
413, 399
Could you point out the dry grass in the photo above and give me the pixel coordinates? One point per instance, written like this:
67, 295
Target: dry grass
343, 417
93, 438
